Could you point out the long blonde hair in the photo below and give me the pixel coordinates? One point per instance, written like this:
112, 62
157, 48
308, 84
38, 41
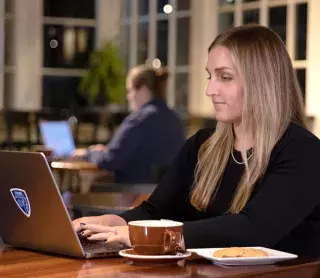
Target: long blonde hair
272, 99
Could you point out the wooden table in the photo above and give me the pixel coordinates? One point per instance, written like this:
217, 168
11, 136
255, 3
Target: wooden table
70, 172
74, 166
20, 263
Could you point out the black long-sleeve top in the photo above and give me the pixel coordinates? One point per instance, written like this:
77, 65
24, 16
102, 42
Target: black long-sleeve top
282, 213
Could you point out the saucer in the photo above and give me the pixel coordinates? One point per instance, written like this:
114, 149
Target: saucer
153, 259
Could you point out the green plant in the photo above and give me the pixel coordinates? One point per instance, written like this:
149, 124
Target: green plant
106, 74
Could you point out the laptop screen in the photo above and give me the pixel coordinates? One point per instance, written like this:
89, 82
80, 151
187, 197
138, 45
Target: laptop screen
57, 136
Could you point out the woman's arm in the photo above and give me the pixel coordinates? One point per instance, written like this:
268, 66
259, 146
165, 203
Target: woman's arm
286, 196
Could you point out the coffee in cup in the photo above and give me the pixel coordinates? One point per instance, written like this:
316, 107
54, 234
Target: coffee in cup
156, 237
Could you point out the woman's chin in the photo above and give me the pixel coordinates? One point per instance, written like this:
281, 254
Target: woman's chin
224, 119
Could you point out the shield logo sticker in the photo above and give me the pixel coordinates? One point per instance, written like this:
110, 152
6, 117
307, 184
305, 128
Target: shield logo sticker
21, 199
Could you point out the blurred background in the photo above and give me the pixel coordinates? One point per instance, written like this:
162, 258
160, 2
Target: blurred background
46, 47
67, 60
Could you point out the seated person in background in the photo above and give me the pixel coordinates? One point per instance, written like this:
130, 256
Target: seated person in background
252, 181
151, 135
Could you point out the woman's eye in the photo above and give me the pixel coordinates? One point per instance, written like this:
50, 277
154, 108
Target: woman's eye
209, 77
225, 78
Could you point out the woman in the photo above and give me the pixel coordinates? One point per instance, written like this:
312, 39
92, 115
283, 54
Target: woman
150, 136
253, 180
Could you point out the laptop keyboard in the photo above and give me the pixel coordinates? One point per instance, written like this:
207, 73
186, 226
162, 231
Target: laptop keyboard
100, 246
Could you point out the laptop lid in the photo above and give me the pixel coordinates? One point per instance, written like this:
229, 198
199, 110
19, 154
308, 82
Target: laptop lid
34, 216
57, 136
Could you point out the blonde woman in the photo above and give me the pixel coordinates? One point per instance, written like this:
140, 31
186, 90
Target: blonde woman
252, 181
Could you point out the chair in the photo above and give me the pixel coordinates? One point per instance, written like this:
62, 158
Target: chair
87, 118
18, 121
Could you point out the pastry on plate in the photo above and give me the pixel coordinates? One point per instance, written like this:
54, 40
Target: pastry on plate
239, 252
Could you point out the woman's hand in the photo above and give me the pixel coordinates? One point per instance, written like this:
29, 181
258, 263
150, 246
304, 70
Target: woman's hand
98, 148
79, 153
95, 232
106, 220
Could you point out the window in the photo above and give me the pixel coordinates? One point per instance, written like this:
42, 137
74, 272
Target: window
181, 92
251, 16
9, 41
162, 39
301, 35
182, 41
149, 43
277, 21
301, 75
67, 47
183, 5
68, 40
143, 29
143, 7
226, 21
161, 4
60, 92
278, 15
69, 8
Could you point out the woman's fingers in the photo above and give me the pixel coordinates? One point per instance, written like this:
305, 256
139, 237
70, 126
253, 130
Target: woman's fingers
86, 233
99, 237
96, 228
120, 238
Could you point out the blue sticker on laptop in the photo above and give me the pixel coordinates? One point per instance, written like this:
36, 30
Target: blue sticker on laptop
22, 201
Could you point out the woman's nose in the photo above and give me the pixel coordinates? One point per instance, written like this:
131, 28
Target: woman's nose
212, 88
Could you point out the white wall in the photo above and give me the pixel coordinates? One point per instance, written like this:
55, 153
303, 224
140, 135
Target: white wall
2, 12
313, 58
202, 34
108, 20
27, 51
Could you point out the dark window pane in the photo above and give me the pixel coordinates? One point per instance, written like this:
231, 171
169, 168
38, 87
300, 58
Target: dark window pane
9, 42
67, 46
251, 16
125, 44
225, 2
162, 41
183, 41
301, 75
143, 42
60, 92
226, 21
301, 28
278, 20
181, 92
9, 88
9, 6
161, 4
183, 5
127, 8
143, 7
70, 8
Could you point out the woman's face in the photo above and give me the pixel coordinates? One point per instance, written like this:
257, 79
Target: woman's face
135, 97
225, 87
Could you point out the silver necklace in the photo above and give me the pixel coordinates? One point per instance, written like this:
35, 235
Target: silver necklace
236, 161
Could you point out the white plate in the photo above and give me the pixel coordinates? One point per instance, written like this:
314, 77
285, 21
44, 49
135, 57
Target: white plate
127, 254
274, 256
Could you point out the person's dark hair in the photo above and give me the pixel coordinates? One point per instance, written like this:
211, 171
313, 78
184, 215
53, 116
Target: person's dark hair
154, 79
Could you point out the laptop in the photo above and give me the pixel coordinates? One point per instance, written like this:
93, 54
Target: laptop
33, 214
57, 136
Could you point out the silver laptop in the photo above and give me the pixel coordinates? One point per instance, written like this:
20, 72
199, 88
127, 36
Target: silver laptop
33, 214
57, 136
